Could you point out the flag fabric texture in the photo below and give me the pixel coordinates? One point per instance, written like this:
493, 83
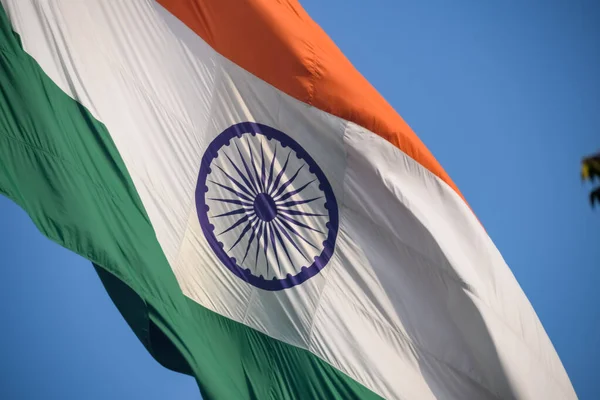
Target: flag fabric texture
261, 217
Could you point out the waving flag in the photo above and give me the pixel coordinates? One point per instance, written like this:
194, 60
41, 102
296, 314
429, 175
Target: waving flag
262, 218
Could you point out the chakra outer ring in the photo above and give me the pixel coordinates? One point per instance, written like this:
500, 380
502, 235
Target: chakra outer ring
306, 272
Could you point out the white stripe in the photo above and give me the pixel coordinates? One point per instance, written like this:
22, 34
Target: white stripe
416, 303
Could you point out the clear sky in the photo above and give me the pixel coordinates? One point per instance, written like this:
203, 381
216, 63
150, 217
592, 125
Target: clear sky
506, 95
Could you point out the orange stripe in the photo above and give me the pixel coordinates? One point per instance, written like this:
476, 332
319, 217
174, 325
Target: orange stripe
277, 41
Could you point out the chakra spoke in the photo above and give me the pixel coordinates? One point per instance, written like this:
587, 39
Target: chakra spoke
236, 224
301, 213
278, 178
263, 176
258, 185
258, 236
241, 174
271, 229
238, 184
266, 246
251, 240
234, 212
289, 238
246, 229
295, 232
238, 202
289, 182
254, 185
287, 195
282, 245
297, 203
238, 194
271, 167
298, 223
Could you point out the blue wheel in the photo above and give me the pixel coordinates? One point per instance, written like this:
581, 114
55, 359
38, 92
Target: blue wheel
265, 207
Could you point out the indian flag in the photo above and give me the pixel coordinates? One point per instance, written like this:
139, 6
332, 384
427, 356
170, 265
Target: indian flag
261, 217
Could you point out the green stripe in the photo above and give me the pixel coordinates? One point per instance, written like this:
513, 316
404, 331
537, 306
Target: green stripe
60, 165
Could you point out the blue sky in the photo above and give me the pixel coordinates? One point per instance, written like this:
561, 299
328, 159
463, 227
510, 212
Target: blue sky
507, 97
